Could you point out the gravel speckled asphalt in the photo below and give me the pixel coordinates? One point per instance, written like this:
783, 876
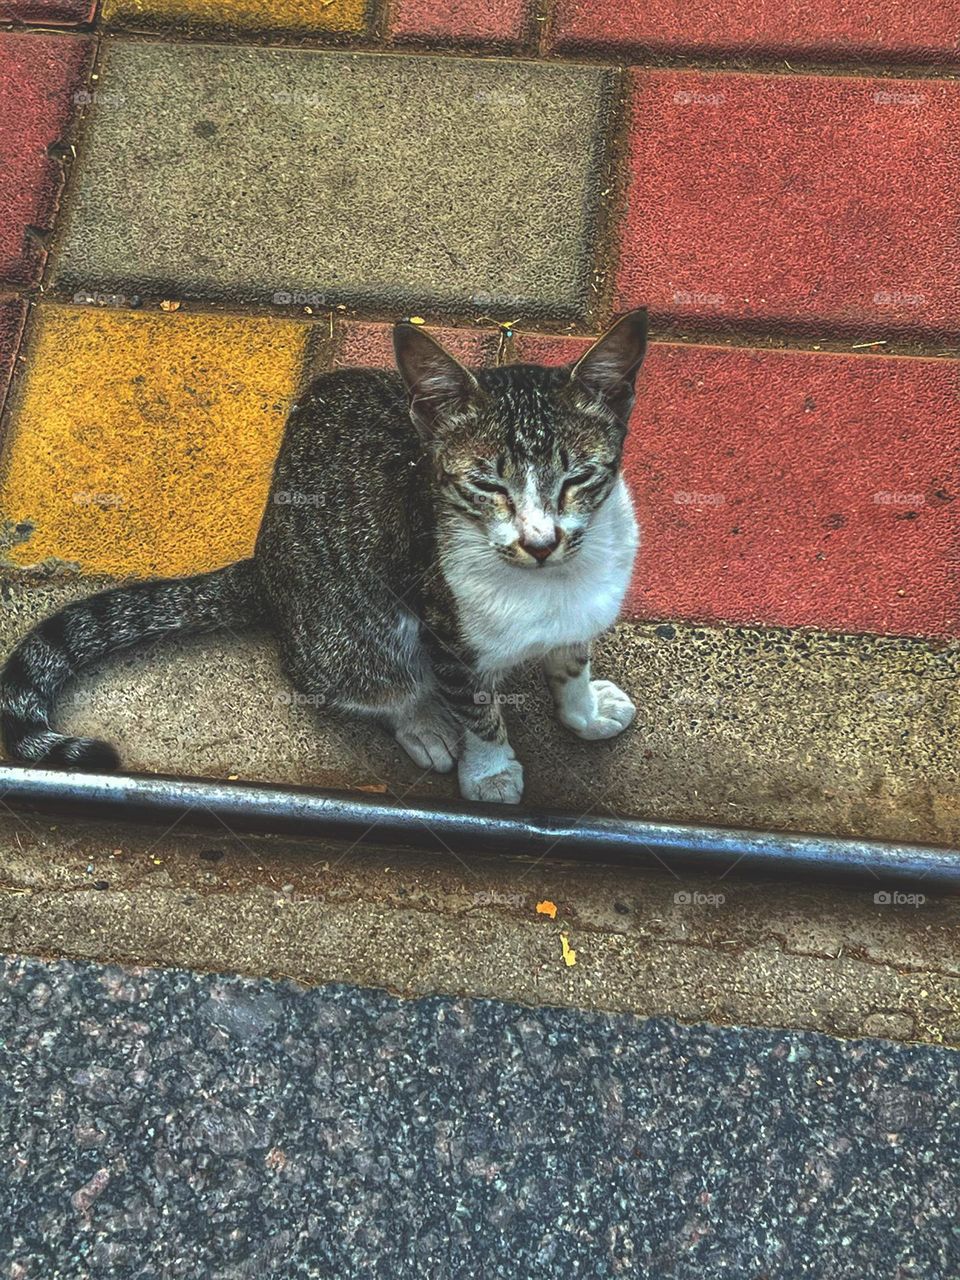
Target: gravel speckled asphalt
160, 1123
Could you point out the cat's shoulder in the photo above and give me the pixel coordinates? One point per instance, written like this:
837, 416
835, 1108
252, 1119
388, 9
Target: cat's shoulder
333, 384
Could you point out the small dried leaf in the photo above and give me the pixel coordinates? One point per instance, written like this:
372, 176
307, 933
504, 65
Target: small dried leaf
547, 908
168, 304
569, 955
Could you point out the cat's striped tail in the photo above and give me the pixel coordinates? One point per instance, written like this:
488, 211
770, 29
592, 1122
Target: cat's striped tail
83, 633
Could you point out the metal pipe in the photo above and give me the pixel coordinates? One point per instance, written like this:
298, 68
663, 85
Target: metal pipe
359, 818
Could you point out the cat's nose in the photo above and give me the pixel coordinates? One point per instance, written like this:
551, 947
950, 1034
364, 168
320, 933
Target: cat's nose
541, 548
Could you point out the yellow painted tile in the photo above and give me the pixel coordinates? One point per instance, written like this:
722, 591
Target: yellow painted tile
142, 443
244, 15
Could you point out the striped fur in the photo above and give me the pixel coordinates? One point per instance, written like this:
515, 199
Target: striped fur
84, 633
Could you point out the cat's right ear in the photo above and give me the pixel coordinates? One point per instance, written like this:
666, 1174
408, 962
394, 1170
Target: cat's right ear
439, 387
608, 370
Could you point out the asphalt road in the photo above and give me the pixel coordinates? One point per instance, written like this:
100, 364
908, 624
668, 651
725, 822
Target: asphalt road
166, 1124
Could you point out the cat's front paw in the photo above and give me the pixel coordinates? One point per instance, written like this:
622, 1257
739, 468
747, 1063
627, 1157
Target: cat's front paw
498, 781
608, 713
431, 740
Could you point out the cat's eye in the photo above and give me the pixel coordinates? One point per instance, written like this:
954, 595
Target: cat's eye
573, 482
488, 486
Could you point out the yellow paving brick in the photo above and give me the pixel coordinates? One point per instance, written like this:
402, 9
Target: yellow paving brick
244, 15
142, 443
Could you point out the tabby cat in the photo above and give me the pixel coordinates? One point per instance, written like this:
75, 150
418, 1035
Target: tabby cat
425, 533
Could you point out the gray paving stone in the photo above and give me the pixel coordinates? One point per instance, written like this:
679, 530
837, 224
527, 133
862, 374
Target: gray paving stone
398, 182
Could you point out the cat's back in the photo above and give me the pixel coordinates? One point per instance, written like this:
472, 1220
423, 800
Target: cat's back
348, 480
351, 409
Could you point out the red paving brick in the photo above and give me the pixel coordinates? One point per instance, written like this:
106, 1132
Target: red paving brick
818, 204
371, 345
794, 488
39, 75
12, 314
492, 22
831, 30
54, 13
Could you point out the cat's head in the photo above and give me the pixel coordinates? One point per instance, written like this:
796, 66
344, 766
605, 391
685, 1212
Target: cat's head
526, 455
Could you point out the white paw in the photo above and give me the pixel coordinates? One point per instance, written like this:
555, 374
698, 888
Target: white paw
432, 743
484, 780
610, 713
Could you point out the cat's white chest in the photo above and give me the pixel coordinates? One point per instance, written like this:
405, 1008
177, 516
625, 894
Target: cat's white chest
512, 615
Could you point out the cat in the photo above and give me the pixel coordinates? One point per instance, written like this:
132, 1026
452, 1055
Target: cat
427, 531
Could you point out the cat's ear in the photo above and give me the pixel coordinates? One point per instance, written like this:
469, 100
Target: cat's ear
439, 387
609, 368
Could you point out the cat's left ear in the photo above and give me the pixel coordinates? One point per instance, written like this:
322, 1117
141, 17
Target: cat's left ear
609, 368
439, 387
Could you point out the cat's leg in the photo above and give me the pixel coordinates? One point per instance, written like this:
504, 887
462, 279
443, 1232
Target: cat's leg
427, 731
379, 675
591, 709
487, 768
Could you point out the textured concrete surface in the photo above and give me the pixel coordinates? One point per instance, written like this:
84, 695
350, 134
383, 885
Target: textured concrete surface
796, 488
397, 182
505, 23
39, 78
143, 442
157, 1123
822, 204
742, 727
828, 30
12, 314
701, 948
371, 345
247, 16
